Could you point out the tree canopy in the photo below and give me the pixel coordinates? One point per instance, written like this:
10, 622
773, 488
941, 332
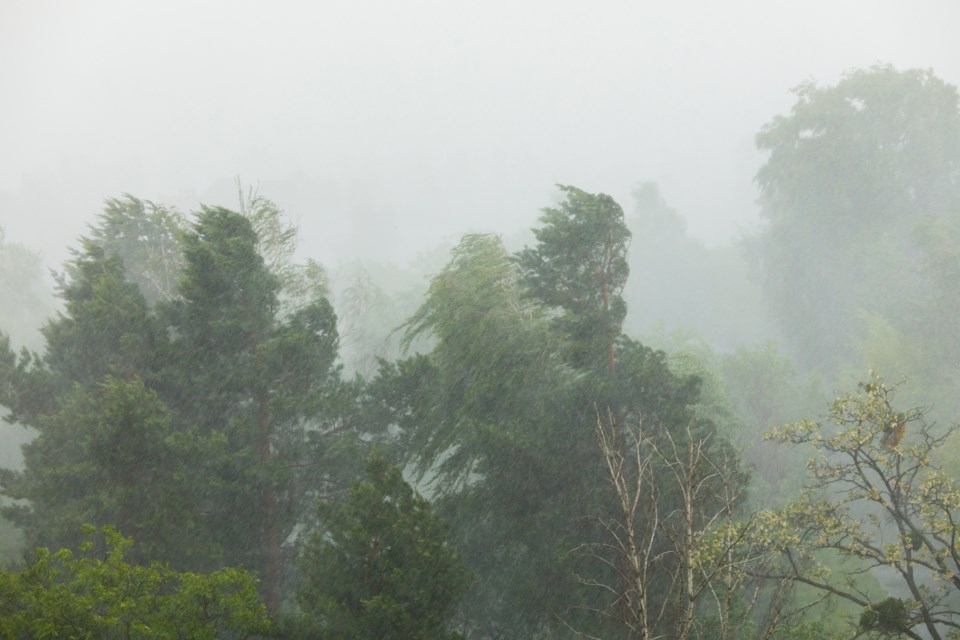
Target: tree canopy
383, 567
850, 171
96, 593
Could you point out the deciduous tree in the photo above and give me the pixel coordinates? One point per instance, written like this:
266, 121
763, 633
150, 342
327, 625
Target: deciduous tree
97, 593
878, 495
851, 170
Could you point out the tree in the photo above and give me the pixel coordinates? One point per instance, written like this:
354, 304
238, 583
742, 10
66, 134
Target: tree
27, 301
96, 593
382, 568
579, 266
850, 171
146, 238
879, 496
217, 407
263, 382
495, 352
498, 415
671, 564
91, 383
765, 389
110, 456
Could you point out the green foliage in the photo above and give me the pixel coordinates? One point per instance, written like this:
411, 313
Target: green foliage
497, 414
202, 420
123, 465
886, 616
878, 495
919, 341
765, 389
264, 381
383, 568
496, 353
579, 265
850, 172
146, 237
96, 593
26, 303
105, 328
89, 386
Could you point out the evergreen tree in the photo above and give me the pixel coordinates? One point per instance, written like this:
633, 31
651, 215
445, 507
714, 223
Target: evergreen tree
264, 384
146, 237
501, 412
98, 425
203, 424
579, 265
382, 569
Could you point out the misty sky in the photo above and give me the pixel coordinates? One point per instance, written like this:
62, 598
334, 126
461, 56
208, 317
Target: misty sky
391, 126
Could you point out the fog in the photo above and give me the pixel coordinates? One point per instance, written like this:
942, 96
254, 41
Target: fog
518, 256
385, 128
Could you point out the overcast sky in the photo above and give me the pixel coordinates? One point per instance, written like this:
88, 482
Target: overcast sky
391, 126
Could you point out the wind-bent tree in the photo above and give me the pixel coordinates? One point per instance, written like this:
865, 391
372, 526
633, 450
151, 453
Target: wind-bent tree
383, 567
878, 495
579, 265
261, 382
500, 411
146, 237
200, 424
110, 455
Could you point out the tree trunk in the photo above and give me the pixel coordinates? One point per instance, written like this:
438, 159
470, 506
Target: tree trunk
270, 544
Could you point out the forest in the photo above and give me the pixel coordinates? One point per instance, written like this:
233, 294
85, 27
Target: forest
605, 429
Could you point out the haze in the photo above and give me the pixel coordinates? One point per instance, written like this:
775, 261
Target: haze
386, 128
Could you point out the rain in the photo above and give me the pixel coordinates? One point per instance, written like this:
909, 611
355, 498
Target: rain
453, 320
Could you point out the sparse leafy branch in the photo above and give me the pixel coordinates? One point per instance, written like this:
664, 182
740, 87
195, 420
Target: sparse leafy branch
877, 495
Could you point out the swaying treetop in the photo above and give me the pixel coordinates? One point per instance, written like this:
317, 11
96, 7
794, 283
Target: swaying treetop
579, 265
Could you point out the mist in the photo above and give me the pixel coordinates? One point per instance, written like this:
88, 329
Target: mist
386, 128
524, 317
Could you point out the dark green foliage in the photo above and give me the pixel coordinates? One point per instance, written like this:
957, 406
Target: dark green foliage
887, 616
265, 384
501, 413
86, 389
96, 593
382, 569
203, 425
105, 328
579, 265
123, 465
